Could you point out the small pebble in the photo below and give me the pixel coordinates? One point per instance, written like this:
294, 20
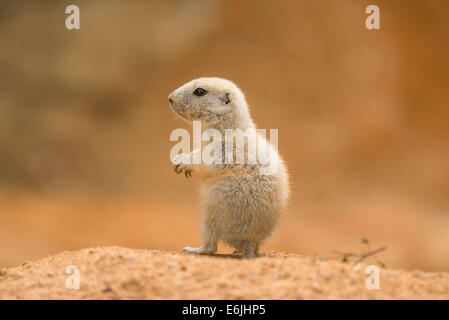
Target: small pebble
173, 264
357, 267
316, 287
322, 274
129, 256
251, 277
107, 289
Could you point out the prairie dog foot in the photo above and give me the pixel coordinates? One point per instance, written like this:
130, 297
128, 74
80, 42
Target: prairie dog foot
247, 249
248, 254
200, 250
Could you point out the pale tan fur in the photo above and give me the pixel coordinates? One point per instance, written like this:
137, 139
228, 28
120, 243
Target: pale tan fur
240, 206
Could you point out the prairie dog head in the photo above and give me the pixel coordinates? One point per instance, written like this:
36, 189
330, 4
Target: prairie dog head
216, 102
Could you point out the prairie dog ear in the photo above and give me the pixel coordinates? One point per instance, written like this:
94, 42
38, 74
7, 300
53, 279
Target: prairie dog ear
227, 97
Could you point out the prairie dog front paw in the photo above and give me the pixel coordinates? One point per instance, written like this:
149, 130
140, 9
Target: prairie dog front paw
181, 162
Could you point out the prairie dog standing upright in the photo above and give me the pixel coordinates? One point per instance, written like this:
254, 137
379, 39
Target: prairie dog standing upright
241, 203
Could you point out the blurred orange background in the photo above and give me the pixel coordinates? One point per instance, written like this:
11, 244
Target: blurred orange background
363, 119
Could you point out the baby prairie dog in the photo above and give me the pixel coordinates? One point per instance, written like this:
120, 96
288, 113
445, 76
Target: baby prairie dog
242, 200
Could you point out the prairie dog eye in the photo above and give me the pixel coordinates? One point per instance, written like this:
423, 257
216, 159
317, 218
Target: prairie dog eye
199, 92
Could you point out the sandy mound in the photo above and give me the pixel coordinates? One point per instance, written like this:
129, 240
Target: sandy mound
121, 273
